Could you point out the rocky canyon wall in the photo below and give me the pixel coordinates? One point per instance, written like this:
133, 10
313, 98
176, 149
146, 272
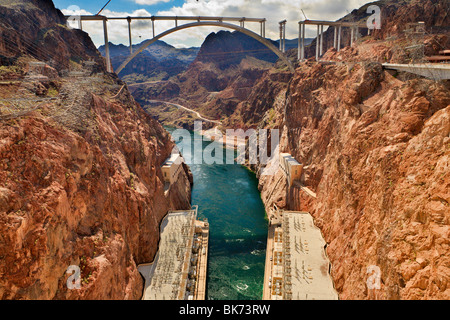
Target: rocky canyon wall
376, 151
375, 147
80, 177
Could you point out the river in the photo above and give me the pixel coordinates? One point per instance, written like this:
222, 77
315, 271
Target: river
228, 196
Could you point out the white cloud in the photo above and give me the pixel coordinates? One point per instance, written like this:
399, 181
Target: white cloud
150, 2
273, 10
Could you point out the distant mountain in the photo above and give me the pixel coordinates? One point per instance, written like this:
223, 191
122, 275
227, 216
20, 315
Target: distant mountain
293, 43
223, 74
159, 61
226, 48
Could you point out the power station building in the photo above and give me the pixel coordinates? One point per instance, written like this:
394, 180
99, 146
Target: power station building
171, 168
292, 169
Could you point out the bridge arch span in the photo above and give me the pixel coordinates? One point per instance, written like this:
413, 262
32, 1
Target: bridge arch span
252, 34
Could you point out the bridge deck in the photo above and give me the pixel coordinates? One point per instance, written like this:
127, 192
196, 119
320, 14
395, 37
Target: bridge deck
170, 18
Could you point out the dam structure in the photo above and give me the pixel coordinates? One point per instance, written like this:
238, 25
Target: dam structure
297, 267
178, 271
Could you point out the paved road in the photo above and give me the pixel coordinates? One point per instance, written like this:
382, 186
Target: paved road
187, 109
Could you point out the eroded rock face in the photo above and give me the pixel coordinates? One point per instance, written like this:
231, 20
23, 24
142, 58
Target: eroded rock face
395, 17
71, 199
222, 76
376, 151
80, 177
36, 28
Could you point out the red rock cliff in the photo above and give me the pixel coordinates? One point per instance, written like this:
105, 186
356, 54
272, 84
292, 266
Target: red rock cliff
80, 178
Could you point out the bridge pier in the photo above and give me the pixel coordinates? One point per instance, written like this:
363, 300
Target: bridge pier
301, 41
263, 28
354, 35
105, 34
335, 37
283, 36
129, 35
317, 43
351, 36
339, 39
242, 21
153, 26
354, 28
321, 40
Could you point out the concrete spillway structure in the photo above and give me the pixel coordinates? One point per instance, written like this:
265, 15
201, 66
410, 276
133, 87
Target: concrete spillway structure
174, 273
297, 267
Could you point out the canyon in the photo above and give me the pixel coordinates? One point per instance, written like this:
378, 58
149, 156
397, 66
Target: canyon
374, 146
83, 185
80, 185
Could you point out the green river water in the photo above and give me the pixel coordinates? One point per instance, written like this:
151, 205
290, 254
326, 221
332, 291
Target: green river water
228, 196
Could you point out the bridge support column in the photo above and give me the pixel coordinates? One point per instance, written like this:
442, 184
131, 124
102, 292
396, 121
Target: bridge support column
299, 55
321, 40
263, 28
335, 37
80, 24
153, 26
283, 36
129, 35
352, 34
301, 41
317, 43
339, 39
105, 33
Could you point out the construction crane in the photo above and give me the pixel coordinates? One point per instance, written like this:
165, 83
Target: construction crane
304, 14
103, 8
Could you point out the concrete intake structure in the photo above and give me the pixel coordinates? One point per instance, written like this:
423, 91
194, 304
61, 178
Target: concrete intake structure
291, 168
172, 167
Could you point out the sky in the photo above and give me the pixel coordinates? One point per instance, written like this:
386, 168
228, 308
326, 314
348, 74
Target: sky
273, 10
